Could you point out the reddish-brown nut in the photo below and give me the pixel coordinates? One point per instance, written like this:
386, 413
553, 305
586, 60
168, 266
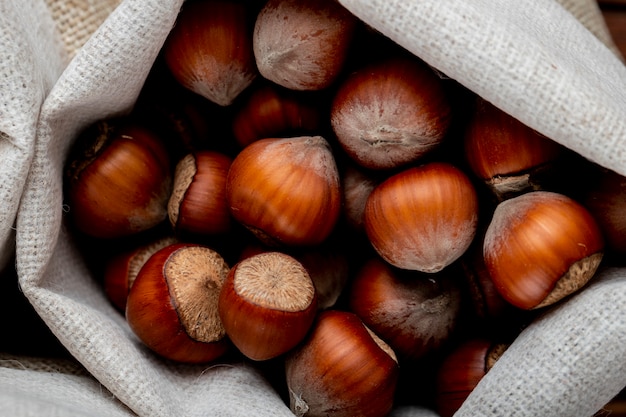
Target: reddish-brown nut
327, 266
422, 218
286, 190
356, 184
414, 312
606, 200
508, 156
486, 302
302, 44
329, 270
121, 270
271, 112
118, 180
541, 247
342, 369
172, 306
197, 205
390, 113
461, 370
267, 305
209, 50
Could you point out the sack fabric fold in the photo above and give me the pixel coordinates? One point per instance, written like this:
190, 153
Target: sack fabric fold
550, 64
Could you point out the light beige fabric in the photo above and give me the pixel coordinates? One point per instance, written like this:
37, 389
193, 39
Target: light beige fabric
533, 58
77, 20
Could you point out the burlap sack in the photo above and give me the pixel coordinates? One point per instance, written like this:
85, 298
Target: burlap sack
551, 65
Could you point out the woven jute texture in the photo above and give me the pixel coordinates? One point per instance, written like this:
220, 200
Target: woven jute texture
77, 20
66, 64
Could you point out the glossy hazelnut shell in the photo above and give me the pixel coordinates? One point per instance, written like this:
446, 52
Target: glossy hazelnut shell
461, 370
340, 370
263, 330
118, 180
423, 218
121, 270
153, 314
508, 156
540, 247
271, 111
198, 206
286, 190
209, 50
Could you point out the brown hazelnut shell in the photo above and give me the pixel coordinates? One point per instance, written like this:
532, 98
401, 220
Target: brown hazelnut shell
270, 111
341, 369
172, 305
118, 180
302, 44
287, 191
462, 369
197, 205
121, 269
390, 113
267, 304
209, 50
509, 157
606, 200
423, 218
415, 313
541, 247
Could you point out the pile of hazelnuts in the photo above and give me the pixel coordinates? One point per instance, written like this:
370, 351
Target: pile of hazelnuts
294, 188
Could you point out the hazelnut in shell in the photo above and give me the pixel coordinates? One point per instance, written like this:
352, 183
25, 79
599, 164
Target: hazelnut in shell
209, 50
509, 157
357, 183
540, 247
197, 205
462, 369
414, 312
342, 369
606, 200
271, 111
267, 304
390, 113
172, 306
423, 218
122, 268
287, 191
302, 44
118, 180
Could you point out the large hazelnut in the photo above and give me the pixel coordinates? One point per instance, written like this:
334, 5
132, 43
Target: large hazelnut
541, 247
267, 304
302, 44
209, 50
286, 190
422, 218
390, 113
118, 179
173, 304
342, 369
